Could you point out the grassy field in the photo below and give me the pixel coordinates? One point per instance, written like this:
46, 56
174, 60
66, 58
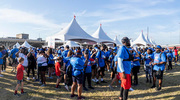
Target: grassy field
170, 89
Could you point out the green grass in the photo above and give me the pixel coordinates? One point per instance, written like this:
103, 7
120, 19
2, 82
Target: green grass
170, 89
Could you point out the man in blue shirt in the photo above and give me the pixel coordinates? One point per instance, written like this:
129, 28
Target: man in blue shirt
13, 56
64, 53
159, 66
77, 73
100, 59
124, 67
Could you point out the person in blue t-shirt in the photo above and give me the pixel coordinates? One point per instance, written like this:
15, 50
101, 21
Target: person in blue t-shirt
148, 57
1, 60
66, 63
159, 66
100, 59
136, 66
112, 64
114, 47
124, 67
87, 71
169, 59
107, 54
94, 69
64, 53
13, 57
77, 73
50, 62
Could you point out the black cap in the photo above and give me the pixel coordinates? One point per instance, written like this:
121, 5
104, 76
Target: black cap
67, 46
125, 40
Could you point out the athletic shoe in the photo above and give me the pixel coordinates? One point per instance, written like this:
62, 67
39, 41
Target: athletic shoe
43, 85
110, 87
108, 70
17, 95
28, 78
40, 83
118, 86
37, 80
103, 81
22, 93
85, 89
153, 86
80, 98
50, 77
131, 89
73, 95
158, 89
1, 75
93, 80
90, 87
67, 88
12, 70
34, 78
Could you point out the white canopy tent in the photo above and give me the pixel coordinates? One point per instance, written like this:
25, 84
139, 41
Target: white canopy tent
73, 32
17, 45
147, 39
72, 44
153, 43
26, 44
117, 41
140, 41
101, 36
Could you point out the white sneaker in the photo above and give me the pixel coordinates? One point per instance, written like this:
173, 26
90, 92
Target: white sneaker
67, 88
34, 78
12, 70
131, 89
28, 78
43, 85
1, 75
93, 80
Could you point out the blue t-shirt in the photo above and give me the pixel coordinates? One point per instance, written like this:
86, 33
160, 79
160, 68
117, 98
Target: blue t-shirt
13, 52
64, 53
123, 54
111, 57
1, 60
158, 59
101, 56
59, 52
77, 65
115, 49
147, 58
88, 68
107, 54
67, 61
169, 56
136, 63
50, 59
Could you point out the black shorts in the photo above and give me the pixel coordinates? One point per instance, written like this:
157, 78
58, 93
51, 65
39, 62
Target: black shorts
58, 77
93, 66
19, 81
50, 65
101, 69
42, 68
14, 61
158, 75
78, 79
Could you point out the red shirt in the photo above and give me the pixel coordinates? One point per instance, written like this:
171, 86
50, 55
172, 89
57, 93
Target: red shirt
20, 69
176, 52
57, 67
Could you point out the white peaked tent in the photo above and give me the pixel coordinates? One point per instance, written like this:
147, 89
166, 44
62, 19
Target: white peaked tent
17, 45
152, 42
26, 44
72, 44
117, 41
147, 39
73, 32
101, 36
140, 41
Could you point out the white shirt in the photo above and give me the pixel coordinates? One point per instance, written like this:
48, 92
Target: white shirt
25, 64
42, 59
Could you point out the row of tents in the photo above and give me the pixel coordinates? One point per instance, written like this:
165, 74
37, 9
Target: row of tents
25, 44
73, 32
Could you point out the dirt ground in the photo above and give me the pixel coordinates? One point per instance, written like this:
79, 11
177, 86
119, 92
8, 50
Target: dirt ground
170, 89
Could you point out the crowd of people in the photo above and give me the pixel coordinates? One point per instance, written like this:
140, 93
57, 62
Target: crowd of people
73, 66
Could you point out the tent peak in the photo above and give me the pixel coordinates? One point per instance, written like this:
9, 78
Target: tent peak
100, 24
74, 16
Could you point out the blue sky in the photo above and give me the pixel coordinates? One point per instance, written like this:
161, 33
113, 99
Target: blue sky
118, 17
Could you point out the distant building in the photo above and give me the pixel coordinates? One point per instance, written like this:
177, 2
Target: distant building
22, 36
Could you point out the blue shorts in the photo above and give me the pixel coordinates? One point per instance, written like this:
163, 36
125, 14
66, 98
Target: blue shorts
78, 79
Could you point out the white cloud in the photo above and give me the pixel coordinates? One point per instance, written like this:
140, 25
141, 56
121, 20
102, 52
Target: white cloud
17, 16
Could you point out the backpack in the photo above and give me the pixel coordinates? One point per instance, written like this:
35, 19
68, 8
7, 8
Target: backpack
69, 70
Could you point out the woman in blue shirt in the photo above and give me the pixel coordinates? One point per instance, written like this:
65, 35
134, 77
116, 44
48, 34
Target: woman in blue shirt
50, 62
136, 66
169, 59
